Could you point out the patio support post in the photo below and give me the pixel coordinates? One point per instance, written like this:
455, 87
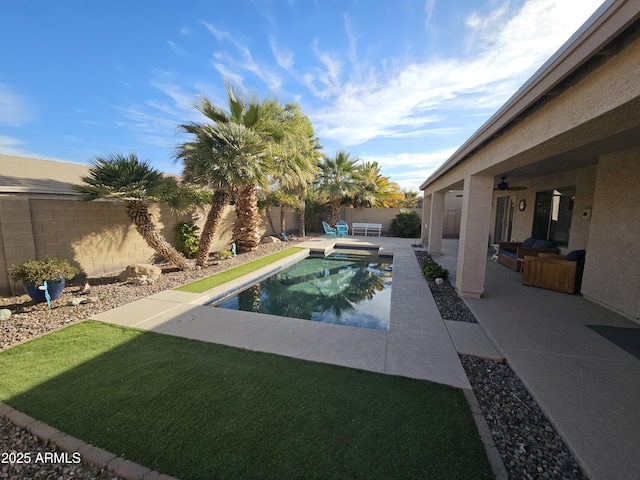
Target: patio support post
474, 235
436, 224
426, 219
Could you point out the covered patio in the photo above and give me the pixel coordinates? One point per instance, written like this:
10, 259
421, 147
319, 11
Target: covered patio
579, 360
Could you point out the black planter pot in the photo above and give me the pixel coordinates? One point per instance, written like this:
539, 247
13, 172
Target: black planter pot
37, 295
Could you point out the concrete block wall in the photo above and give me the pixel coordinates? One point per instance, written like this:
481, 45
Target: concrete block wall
95, 236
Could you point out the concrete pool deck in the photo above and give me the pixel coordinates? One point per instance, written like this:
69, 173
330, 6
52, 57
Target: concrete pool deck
419, 344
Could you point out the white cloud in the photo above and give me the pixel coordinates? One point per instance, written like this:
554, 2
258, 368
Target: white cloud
284, 58
507, 48
245, 61
14, 109
13, 146
431, 160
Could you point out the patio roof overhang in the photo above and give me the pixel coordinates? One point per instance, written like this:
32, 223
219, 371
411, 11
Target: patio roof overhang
600, 37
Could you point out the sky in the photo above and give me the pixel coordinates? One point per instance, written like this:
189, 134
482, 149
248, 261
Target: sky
401, 82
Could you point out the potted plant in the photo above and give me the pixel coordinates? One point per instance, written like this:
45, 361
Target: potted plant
35, 273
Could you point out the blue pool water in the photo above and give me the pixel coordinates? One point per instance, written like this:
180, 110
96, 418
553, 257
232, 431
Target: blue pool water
344, 289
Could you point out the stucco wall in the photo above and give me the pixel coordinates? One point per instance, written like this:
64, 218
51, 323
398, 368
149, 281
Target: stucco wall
612, 269
584, 181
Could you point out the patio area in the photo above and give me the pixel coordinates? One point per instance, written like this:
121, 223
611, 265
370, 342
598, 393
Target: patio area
580, 361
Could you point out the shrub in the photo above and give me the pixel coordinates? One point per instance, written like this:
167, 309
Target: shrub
406, 224
224, 254
36, 272
433, 270
187, 239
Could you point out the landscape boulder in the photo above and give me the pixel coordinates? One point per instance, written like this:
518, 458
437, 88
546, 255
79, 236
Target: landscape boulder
139, 271
271, 240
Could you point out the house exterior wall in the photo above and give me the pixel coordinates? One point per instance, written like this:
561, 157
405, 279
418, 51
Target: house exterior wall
584, 181
585, 130
611, 275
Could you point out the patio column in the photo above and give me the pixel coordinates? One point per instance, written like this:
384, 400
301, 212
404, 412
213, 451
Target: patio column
426, 218
436, 224
474, 235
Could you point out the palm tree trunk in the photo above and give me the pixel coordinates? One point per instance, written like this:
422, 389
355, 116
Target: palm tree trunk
301, 211
138, 213
282, 220
218, 202
246, 230
334, 214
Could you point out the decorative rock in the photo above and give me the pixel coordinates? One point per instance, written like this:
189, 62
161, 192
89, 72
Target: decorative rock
5, 313
139, 269
271, 240
144, 279
76, 301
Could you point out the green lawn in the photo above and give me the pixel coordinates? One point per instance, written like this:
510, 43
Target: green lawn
197, 410
203, 284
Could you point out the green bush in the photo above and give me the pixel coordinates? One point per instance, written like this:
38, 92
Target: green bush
433, 270
36, 272
224, 254
187, 239
406, 224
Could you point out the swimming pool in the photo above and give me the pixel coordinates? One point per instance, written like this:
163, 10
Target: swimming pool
342, 288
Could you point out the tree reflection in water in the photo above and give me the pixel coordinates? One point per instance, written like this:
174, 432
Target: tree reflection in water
347, 290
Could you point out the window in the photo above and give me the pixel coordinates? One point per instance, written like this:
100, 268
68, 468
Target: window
552, 215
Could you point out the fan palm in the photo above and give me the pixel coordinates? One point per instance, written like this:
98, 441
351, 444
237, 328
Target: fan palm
251, 130
374, 190
137, 184
295, 161
338, 177
222, 157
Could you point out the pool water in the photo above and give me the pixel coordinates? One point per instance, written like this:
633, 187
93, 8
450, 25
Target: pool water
344, 289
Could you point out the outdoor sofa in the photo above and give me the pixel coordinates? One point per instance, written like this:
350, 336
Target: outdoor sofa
512, 254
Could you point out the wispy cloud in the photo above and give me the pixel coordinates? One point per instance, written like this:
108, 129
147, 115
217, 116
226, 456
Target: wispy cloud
13, 146
245, 62
14, 108
507, 47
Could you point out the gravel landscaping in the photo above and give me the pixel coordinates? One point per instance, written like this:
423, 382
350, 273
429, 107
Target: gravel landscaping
528, 444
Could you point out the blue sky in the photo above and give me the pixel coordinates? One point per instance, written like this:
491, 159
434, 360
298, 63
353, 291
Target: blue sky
401, 82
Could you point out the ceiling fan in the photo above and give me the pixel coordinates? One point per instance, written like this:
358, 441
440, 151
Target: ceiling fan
504, 186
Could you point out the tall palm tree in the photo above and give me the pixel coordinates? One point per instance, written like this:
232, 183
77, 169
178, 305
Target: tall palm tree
252, 129
137, 184
338, 181
217, 158
295, 161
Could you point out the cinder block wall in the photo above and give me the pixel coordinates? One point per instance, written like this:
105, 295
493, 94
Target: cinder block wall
95, 236
374, 215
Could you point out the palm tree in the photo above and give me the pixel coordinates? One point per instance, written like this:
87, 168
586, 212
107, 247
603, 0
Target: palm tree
251, 129
374, 190
338, 177
137, 184
214, 159
295, 161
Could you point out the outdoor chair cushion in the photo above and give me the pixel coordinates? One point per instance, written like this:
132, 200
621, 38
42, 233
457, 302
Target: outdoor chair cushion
576, 255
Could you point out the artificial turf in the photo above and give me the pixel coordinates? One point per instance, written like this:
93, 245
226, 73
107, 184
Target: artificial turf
212, 281
198, 410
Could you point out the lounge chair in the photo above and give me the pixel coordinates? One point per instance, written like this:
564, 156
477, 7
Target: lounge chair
329, 231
